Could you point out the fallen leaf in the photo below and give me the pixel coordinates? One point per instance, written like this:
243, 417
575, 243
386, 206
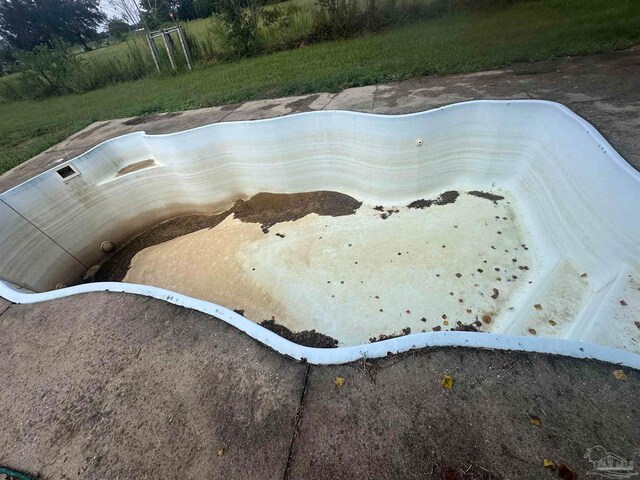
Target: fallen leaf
637, 324
532, 331
445, 322
550, 464
553, 323
447, 382
623, 303
340, 382
537, 306
535, 421
567, 473
220, 452
584, 275
486, 318
620, 375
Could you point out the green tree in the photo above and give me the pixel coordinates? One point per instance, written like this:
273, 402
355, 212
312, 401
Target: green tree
48, 70
28, 23
118, 28
240, 20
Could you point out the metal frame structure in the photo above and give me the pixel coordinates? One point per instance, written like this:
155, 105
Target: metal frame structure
165, 33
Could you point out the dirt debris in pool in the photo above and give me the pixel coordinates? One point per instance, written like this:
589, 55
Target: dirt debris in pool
321, 271
267, 209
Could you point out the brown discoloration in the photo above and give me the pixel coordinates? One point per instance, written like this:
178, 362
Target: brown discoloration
302, 104
489, 196
308, 338
151, 118
134, 167
267, 209
444, 199
115, 268
271, 208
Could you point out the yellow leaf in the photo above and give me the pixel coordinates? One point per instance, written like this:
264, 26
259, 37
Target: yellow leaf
340, 382
620, 375
447, 382
535, 421
550, 464
220, 452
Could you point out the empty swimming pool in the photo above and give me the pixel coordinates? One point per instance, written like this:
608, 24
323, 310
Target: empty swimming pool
503, 224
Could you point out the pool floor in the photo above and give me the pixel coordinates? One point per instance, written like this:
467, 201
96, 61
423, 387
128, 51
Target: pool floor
385, 270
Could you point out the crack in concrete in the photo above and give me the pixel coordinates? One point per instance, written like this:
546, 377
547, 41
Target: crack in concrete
297, 419
6, 308
373, 100
229, 113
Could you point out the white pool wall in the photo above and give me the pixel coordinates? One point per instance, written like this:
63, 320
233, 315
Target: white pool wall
580, 200
577, 191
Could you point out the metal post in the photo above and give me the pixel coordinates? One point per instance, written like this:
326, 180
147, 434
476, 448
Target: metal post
185, 47
154, 52
167, 45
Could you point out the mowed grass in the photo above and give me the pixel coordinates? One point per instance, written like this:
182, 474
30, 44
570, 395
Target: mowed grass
460, 42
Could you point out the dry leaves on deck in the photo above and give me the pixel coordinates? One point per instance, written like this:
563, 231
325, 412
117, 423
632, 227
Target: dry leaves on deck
447, 382
620, 375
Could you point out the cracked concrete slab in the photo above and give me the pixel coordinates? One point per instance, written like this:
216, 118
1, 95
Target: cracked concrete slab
119, 386
393, 419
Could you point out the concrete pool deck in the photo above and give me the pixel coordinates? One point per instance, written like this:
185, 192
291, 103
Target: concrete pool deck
117, 386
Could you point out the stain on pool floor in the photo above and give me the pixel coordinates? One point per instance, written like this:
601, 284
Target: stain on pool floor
352, 271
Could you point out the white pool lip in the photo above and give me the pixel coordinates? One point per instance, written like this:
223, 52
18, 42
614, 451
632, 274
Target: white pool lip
321, 356
335, 356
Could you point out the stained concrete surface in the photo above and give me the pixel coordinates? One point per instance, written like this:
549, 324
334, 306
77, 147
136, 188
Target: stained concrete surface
116, 386
392, 419
113, 386
123, 387
601, 88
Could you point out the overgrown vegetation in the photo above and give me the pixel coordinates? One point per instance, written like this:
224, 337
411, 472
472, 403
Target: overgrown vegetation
56, 70
461, 41
240, 28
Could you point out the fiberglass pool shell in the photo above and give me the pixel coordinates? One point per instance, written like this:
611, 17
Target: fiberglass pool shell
578, 204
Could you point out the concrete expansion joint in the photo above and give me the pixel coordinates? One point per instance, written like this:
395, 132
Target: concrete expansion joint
2, 310
373, 100
296, 421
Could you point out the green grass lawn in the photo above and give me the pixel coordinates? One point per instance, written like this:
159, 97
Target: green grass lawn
461, 42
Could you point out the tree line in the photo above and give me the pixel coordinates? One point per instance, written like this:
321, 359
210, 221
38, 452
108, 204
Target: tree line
26, 24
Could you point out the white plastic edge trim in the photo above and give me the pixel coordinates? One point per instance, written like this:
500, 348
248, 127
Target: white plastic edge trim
333, 356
